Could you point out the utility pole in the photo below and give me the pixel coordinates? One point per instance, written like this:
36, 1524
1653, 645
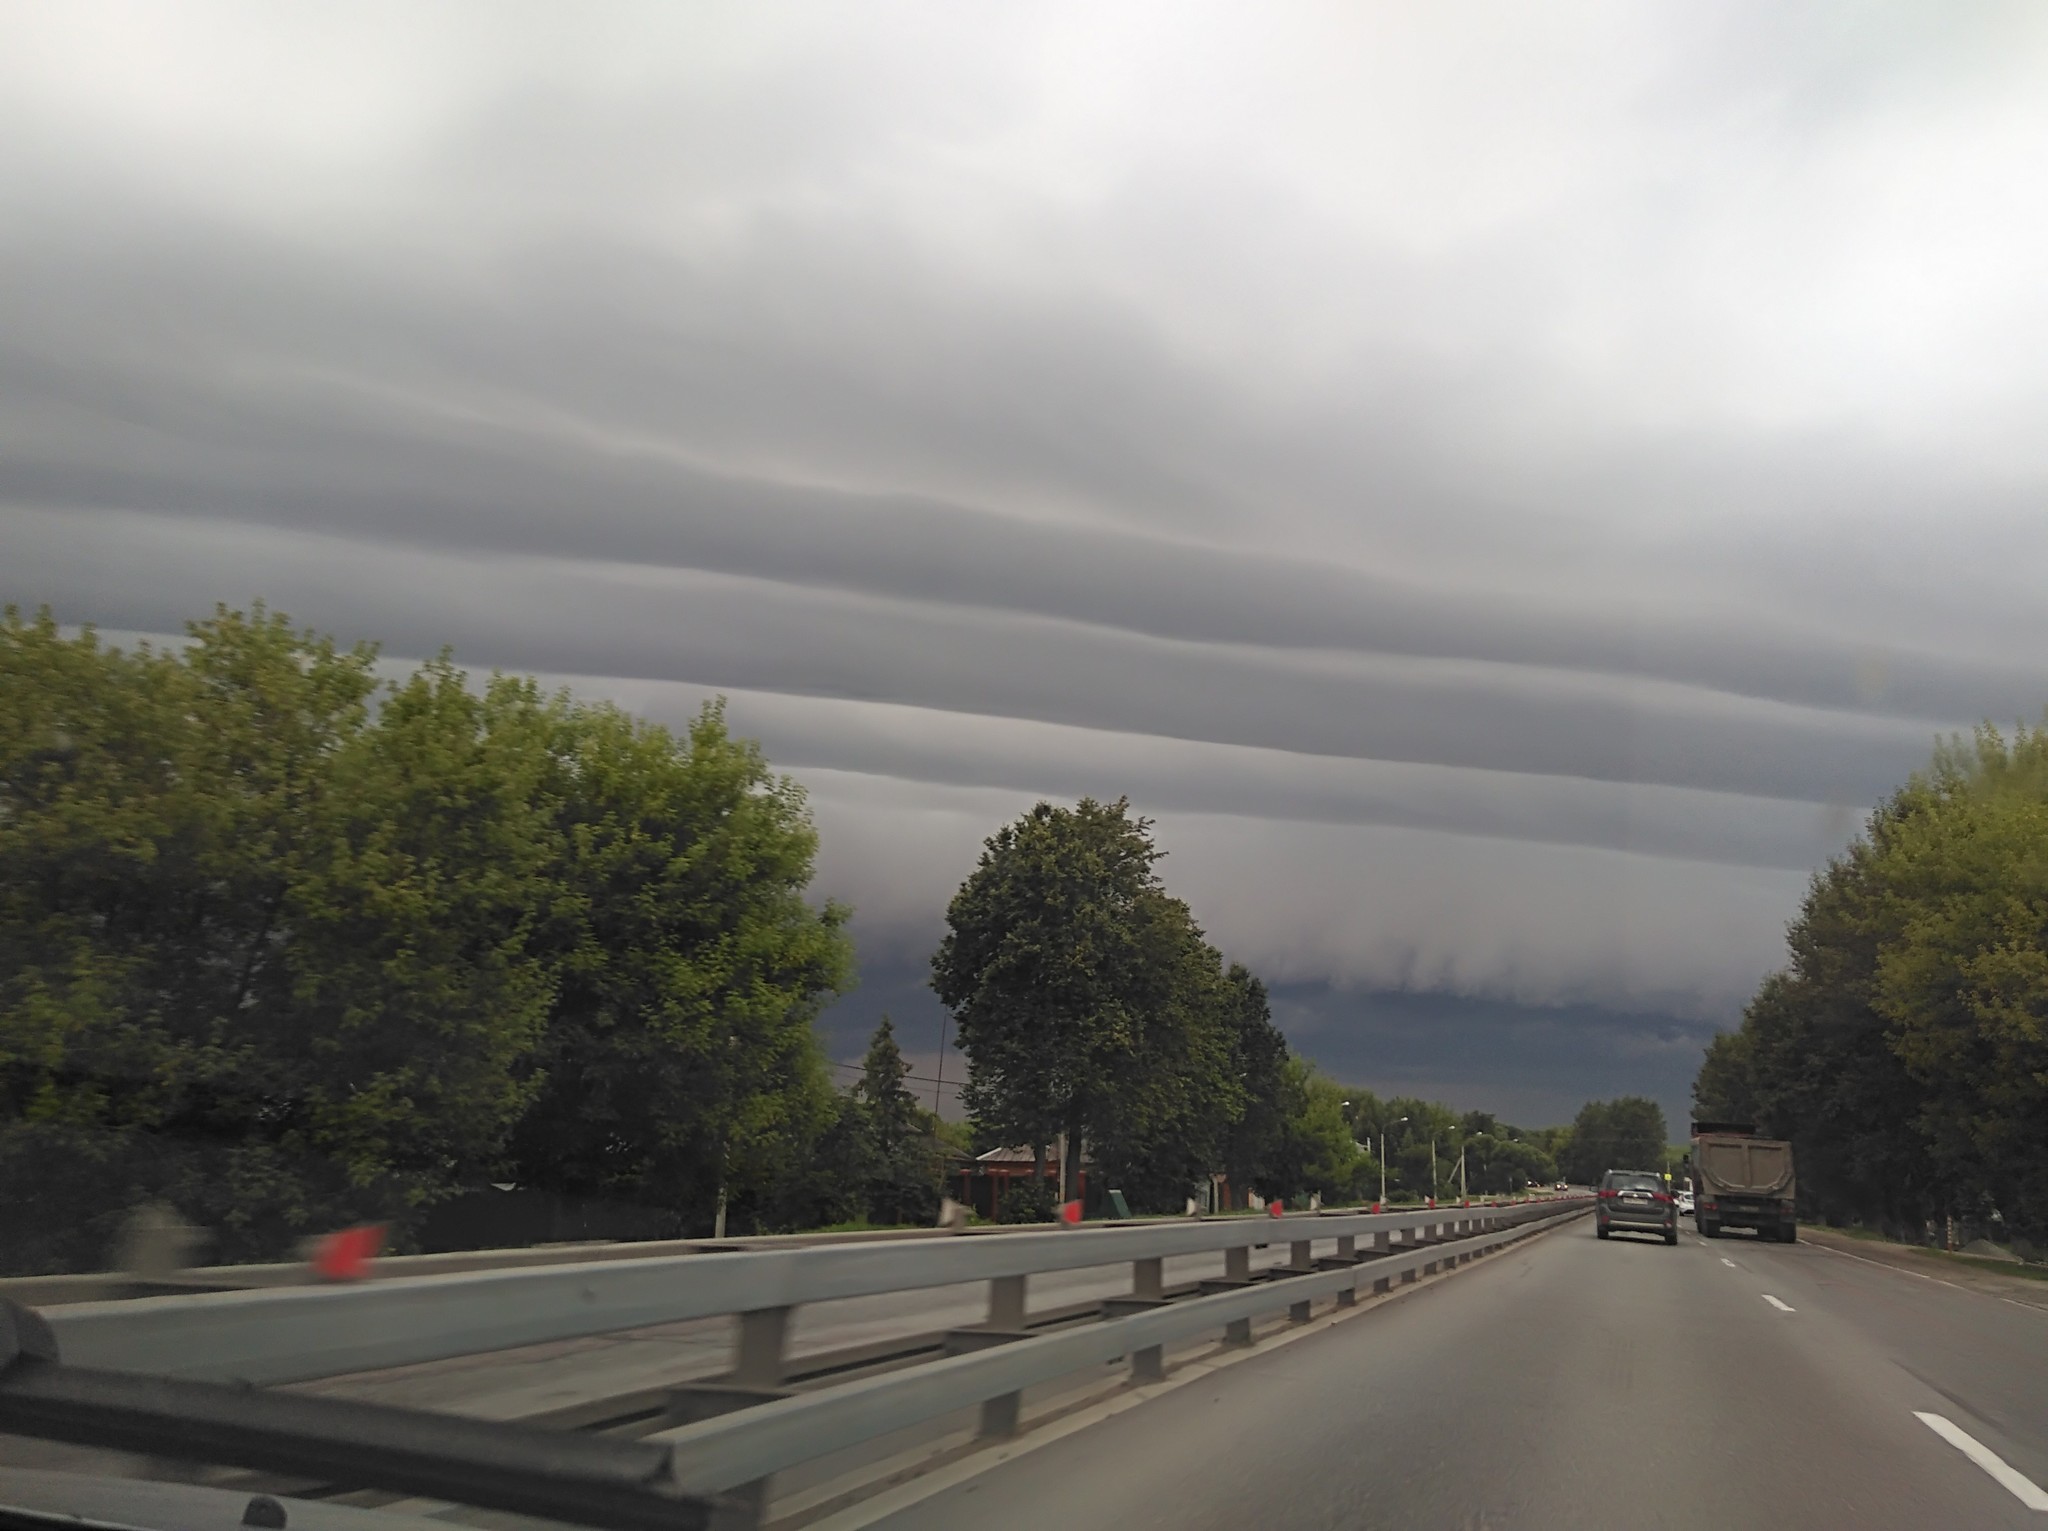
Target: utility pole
1463, 1194
939, 1083
1432, 1169
718, 1218
1383, 1158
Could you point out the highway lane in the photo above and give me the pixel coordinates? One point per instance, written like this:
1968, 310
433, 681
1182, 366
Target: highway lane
1575, 1383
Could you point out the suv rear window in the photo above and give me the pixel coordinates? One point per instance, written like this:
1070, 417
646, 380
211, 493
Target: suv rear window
1622, 1180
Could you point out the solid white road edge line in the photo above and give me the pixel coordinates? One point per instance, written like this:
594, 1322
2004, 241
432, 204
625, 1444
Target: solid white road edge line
2023, 1488
1782, 1307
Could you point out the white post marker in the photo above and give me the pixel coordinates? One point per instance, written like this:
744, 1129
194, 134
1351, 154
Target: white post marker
2022, 1487
1782, 1307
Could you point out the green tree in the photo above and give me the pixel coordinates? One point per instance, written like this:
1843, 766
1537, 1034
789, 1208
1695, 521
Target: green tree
1039, 965
1623, 1134
288, 947
1259, 1061
903, 1160
1815, 1059
680, 1054
1725, 1089
255, 961
1317, 1154
1962, 982
1176, 1095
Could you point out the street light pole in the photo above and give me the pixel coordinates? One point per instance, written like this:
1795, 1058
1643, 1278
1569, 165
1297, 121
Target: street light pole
1383, 1158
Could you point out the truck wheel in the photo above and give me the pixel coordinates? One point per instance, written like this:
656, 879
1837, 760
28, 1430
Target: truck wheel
1709, 1229
1789, 1234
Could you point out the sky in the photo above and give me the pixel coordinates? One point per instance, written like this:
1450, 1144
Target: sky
1504, 488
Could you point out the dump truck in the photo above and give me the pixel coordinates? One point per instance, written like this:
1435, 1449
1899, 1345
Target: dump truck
1742, 1180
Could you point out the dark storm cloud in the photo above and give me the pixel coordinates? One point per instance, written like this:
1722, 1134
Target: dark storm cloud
1506, 517
725, 631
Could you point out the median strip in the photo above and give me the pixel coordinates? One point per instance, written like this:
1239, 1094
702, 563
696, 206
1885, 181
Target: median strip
2022, 1488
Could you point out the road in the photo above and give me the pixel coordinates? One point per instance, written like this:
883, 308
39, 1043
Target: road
1575, 1383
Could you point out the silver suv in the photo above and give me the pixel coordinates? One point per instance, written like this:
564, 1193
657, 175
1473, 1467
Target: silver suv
1635, 1201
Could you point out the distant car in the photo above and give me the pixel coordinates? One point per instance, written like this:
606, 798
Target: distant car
1635, 1201
1561, 1186
1685, 1204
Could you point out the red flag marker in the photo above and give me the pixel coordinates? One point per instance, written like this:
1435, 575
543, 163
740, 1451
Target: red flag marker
1276, 1206
1375, 1206
1070, 1212
346, 1256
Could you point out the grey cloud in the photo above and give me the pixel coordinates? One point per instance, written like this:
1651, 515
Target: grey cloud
1367, 906
912, 744
362, 403
722, 631
1506, 514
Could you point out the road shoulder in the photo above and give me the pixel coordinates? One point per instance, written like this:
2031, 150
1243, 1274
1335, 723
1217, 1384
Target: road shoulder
1929, 1263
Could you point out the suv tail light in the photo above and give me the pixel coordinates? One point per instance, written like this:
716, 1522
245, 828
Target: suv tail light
1607, 1194
1665, 1197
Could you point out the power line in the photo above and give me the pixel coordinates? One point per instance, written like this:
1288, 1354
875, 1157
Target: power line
856, 1068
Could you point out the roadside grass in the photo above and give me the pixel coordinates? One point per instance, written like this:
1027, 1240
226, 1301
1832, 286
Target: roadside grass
2023, 1269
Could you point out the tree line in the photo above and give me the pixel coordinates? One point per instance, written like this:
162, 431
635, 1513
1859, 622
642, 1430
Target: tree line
290, 940
1904, 1047
288, 945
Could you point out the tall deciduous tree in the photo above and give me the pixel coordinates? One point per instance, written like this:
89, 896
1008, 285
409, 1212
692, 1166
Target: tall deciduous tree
262, 942
1041, 967
1623, 1134
679, 1054
1259, 1066
288, 947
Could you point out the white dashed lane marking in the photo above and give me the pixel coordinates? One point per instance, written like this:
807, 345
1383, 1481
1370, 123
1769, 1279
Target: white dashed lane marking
2023, 1488
1782, 1307
1728, 1262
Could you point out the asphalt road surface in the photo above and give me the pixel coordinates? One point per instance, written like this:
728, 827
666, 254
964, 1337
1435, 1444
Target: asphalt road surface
1575, 1383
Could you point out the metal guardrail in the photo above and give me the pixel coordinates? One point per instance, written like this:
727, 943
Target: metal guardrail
592, 1480
742, 1448
295, 1334
128, 1374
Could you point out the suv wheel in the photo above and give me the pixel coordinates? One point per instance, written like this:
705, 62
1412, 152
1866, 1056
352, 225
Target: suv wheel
1671, 1235
1601, 1230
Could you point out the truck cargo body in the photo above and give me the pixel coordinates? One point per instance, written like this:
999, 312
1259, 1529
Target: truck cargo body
1740, 1180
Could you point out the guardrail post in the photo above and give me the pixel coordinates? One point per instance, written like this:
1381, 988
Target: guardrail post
1148, 1291
757, 1359
759, 1351
1148, 1278
1302, 1262
1382, 1246
1237, 1271
1347, 1250
1005, 1315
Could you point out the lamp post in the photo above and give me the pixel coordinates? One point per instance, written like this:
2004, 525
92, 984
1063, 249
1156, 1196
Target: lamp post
1383, 1158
